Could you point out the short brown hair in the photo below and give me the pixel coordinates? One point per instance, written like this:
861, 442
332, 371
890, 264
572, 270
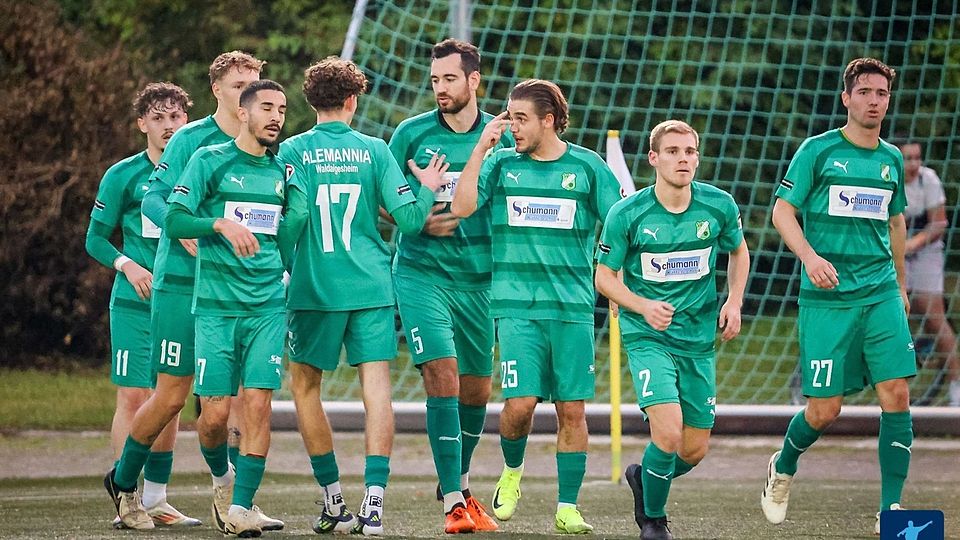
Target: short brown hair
546, 98
234, 59
162, 96
329, 82
469, 54
670, 126
866, 66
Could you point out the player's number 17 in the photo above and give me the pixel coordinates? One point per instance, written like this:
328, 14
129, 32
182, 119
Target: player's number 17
327, 195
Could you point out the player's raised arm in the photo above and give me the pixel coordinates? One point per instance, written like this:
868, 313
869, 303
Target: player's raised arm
465, 199
821, 272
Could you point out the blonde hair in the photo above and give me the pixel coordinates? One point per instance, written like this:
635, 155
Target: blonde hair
234, 59
671, 126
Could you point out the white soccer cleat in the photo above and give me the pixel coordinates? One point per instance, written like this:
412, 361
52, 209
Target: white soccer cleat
267, 523
776, 493
222, 495
876, 529
245, 523
165, 515
132, 513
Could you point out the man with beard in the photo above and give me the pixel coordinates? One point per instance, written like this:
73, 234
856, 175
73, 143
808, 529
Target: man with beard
546, 197
161, 109
231, 197
442, 279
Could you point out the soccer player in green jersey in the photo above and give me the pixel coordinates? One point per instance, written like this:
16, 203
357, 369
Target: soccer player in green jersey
665, 239
442, 279
340, 293
173, 341
849, 186
547, 196
161, 109
231, 197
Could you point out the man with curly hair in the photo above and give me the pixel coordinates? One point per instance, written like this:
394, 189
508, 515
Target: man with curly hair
341, 293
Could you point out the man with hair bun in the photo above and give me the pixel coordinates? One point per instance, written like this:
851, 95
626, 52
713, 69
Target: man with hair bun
547, 196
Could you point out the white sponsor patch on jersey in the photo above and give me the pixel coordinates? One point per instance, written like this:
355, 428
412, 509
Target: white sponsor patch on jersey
148, 229
257, 217
542, 212
687, 265
860, 202
444, 193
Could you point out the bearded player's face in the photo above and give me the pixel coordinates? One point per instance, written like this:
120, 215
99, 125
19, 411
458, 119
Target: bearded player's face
264, 116
451, 86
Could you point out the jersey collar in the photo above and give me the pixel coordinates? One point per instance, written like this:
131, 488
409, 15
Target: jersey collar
335, 127
476, 123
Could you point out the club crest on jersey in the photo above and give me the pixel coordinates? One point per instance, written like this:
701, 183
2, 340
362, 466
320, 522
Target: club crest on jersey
568, 181
703, 230
278, 187
885, 173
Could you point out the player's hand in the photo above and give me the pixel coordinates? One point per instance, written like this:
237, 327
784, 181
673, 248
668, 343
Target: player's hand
431, 176
492, 132
906, 300
189, 244
821, 273
139, 277
658, 314
244, 243
440, 224
729, 321
614, 309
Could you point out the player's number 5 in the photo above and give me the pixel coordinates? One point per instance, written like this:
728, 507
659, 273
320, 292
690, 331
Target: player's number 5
417, 340
328, 195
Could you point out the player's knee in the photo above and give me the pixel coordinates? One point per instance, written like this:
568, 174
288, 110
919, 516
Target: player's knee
894, 395
695, 453
257, 404
440, 378
822, 415
129, 400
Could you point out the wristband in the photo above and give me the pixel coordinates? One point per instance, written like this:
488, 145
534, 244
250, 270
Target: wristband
120, 261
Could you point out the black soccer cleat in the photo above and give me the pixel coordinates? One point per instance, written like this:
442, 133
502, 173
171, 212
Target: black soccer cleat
112, 488
634, 478
439, 493
656, 529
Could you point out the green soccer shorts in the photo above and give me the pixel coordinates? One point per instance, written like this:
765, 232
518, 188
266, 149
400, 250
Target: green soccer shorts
130, 348
317, 337
548, 359
447, 323
238, 350
172, 331
661, 376
842, 350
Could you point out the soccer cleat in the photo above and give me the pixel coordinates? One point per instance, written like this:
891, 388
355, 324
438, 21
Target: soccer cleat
458, 521
267, 523
480, 517
328, 522
439, 492
635, 481
507, 494
569, 521
245, 523
876, 528
222, 495
164, 515
656, 529
129, 508
776, 493
116, 523
369, 525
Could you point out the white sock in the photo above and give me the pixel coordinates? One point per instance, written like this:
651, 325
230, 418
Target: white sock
513, 469
236, 508
954, 393
226, 479
153, 493
333, 498
565, 505
465, 481
452, 499
373, 500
